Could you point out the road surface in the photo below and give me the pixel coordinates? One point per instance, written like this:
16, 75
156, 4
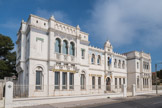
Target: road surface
150, 102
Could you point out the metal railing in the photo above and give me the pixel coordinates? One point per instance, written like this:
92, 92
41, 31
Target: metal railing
70, 90
20, 91
159, 87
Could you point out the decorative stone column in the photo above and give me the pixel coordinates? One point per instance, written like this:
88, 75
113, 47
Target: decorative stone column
77, 44
51, 25
96, 82
118, 83
68, 83
60, 80
53, 80
61, 54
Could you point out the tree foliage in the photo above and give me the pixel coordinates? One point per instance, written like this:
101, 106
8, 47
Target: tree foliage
159, 74
7, 57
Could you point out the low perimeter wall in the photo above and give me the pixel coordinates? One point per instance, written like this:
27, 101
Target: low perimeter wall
49, 100
11, 102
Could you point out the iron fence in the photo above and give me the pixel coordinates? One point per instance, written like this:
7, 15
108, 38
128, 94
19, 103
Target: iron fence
159, 87
20, 91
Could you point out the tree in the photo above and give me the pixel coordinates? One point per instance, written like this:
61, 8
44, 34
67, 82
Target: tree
7, 57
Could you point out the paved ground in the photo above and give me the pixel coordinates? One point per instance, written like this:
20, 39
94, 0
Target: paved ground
142, 101
150, 102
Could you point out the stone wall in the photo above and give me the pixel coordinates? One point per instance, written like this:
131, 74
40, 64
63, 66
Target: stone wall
1, 88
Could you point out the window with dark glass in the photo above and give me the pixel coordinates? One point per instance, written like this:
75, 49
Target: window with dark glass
57, 80
119, 64
108, 61
93, 82
38, 80
115, 63
64, 80
137, 82
65, 47
115, 82
99, 82
120, 82
72, 49
137, 65
83, 53
123, 80
71, 81
123, 65
99, 60
58, 46
93, 59
82, 81
147, 66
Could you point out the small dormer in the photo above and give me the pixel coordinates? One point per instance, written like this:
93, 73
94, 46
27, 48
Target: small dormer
108, 47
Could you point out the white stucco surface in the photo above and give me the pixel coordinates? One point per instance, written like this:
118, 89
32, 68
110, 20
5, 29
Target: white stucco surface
36, 51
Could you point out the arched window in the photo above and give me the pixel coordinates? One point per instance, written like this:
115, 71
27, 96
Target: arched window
115, 63
72, 49
93, 59
119, 64
147, 66
138, 82
93, 82
108, 61
123, 65
65, 47
58, 45
71, 81
137, 65
99, 82
39, 78
99, 60
82, 81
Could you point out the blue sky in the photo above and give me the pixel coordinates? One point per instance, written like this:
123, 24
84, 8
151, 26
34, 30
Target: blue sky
128, 24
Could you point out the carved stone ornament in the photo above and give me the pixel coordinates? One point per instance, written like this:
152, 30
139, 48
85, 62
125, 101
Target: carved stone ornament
9, 86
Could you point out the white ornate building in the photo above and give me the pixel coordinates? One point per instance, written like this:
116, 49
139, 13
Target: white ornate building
54, 58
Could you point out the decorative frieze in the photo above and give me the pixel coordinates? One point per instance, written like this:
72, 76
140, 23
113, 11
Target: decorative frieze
61, 70
95, 75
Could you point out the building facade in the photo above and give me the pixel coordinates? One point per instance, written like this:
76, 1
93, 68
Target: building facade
54, 58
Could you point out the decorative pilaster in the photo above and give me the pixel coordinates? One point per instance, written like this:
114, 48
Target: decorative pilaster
77, 46
60, 80
68, 83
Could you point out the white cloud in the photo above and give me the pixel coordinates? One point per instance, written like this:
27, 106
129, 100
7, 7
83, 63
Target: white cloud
125, 22
59, 15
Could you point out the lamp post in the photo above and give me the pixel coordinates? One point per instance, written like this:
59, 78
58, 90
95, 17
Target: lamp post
156, 76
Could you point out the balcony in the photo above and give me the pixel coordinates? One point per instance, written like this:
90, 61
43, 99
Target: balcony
65, 57
65, 67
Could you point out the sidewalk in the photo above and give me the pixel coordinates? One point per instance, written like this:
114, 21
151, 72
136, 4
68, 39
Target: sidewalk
92, 102
35, 101
1, 103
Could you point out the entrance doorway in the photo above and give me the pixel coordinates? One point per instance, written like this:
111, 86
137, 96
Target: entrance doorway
108, 84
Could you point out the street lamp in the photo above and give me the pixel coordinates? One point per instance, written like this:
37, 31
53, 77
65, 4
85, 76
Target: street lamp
156, 76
